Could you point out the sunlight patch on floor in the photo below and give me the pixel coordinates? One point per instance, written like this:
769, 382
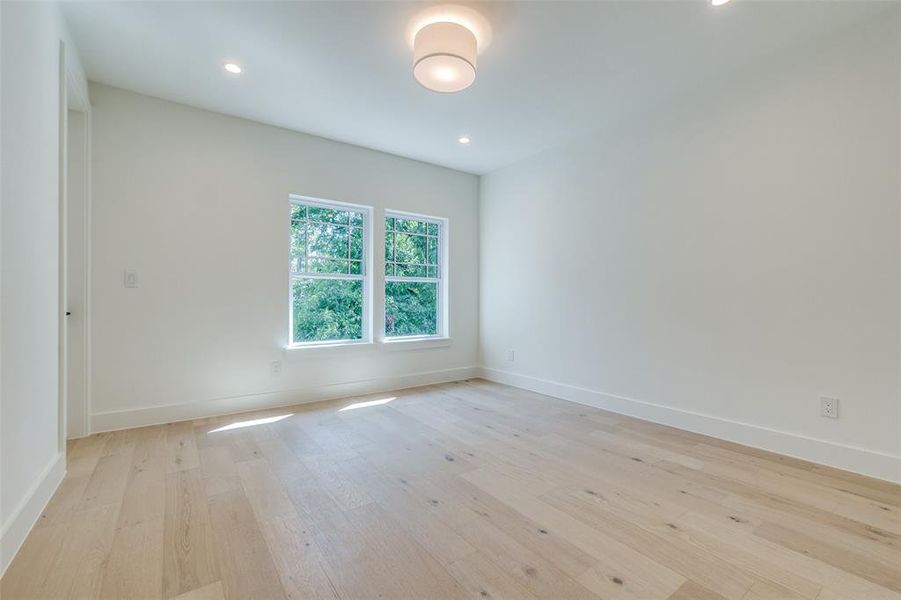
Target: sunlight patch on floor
367, 404
250, 423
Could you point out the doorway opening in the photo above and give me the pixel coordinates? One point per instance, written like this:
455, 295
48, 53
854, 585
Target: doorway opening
74, 252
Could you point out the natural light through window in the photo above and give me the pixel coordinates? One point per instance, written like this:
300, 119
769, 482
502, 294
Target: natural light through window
329, 272
367, 404
250, 423
414, 275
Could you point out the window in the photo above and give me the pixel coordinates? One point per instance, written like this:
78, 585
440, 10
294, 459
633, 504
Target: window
414, 251
329, 272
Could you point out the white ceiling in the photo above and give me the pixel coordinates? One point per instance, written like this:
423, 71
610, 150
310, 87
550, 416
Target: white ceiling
554, 71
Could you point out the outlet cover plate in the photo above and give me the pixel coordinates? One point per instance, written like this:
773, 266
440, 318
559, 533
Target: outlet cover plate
829, 407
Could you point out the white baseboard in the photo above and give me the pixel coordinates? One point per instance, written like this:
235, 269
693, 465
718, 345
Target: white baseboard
155, 415
850, 458
26, 514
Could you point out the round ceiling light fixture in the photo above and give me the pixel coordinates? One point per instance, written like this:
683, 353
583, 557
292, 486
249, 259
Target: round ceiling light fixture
444, 57
446, 41
233, 68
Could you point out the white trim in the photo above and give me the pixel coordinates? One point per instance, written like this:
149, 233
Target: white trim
62, 252
423, 342
354, 276
852, 458
88, 273
395, 278
76, 95
325, 203
404, 214
898, 50
81, 428
316, 349
26, 514
78, 100
155, 415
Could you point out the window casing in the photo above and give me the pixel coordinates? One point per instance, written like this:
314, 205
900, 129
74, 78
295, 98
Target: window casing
329, 272
415, 276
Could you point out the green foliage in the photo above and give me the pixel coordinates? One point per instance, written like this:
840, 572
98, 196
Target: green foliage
328, 309
328, 241
411, 308
411, 248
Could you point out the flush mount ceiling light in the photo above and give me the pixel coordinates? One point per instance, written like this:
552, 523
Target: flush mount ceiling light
233, 68
464, 139
444, 57
718, 2
446, 41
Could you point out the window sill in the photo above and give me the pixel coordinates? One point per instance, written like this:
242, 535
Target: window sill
310, 350
415, 343
388, 345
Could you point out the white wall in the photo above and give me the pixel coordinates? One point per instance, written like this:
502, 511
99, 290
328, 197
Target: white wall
196, 203
31, 459
729, 260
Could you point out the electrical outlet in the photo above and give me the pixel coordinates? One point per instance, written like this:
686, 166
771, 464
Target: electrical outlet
829, 407
275, 367
510, 355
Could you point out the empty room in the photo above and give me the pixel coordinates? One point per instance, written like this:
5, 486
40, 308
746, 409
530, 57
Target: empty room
535, 300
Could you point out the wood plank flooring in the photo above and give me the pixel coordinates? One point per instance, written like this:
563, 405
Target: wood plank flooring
464, 490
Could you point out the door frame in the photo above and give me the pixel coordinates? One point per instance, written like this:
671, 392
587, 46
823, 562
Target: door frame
73, 97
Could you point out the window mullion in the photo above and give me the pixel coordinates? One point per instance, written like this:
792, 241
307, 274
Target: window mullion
306, 239
353, 276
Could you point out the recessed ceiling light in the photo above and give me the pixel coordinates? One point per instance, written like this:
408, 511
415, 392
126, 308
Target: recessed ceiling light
718, 2
464, 139
233, 68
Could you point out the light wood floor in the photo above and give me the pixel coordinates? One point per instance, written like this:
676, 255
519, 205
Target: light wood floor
466, 490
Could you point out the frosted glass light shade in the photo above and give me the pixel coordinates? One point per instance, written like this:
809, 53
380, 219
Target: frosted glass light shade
444, 57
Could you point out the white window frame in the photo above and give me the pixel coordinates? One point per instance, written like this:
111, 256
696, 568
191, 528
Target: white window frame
442, 330
365, 276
